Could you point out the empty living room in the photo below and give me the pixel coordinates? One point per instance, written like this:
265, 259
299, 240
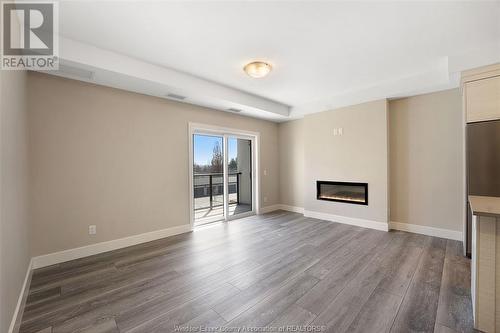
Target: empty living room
249, 166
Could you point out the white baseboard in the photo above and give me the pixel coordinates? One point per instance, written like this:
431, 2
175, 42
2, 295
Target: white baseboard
89, 250
268, 209
348, 220
329, 217
85, 251
294, 209
23, 294
414, 228
272, 208
425, 230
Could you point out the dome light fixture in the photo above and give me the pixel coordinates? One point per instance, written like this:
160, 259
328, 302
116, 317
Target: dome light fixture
257, 69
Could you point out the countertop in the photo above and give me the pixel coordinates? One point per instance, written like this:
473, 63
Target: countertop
485, 206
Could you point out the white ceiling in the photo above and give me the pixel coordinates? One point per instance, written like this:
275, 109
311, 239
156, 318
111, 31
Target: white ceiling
324, 54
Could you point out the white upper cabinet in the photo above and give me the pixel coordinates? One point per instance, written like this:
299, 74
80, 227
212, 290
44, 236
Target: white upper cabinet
481, 89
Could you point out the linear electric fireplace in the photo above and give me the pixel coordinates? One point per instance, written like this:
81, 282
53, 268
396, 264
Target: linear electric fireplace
355, 193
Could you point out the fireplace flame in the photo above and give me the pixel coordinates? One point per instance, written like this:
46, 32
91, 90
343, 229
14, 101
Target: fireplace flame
342, 197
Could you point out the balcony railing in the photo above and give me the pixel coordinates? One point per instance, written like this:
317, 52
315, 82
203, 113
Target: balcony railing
211, 185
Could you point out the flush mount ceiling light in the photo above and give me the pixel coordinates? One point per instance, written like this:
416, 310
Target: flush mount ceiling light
257, 69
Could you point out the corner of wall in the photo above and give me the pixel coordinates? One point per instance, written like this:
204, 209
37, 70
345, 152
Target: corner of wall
14, 194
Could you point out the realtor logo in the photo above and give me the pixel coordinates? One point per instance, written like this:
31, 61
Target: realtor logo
29, 35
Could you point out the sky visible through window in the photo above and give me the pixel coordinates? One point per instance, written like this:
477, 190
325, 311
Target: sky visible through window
204, 146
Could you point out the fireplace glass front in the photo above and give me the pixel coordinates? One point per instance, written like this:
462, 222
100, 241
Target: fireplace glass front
355, 193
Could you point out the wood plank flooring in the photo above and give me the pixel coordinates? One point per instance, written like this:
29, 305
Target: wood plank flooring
275, 270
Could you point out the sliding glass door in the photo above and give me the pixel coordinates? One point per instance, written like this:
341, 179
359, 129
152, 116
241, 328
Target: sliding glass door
208, 178
239, 175
223, 186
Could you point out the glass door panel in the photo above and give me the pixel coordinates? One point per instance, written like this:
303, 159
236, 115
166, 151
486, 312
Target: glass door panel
208, 178
239, 175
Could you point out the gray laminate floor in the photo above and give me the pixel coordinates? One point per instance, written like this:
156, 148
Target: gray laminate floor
273, 270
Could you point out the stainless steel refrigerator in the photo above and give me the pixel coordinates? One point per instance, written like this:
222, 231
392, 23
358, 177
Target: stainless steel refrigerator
483, 164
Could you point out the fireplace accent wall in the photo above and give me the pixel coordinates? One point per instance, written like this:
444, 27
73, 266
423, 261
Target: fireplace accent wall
354, 193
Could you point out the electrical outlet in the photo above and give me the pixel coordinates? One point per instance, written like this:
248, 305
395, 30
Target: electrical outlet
92, 229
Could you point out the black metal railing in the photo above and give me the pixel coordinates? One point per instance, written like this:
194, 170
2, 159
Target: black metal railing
212, 185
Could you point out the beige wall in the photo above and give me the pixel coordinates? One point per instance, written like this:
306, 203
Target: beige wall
118, 160
291, 149
359, 155
426, 165
14, 219
14, 227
